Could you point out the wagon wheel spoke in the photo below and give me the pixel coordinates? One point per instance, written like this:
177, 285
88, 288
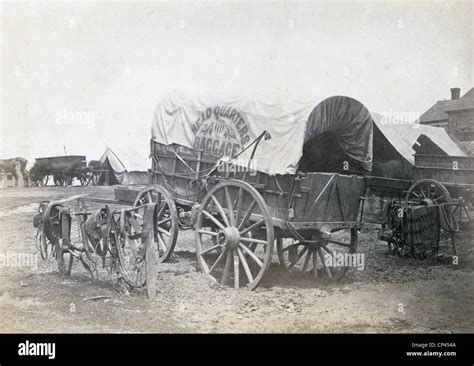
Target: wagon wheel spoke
163, 231
306, 260
253, 226
207, 232
323, 261
247, 215
335, 271
236, 269
416, 194
211, 249
213, 219
239, 201
162, 209
423, 193
221, 211
437, 195
218, 260
162, 243
225, 275
324, 246
247, 271
301, 253
251, 254
230, 207
338, 242
315, 263
164, 221
251, 240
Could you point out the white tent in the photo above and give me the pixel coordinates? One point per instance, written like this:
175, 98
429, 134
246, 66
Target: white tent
113, 170
402, 136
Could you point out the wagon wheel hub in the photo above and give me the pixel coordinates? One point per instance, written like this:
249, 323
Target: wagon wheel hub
230, 237
428, 202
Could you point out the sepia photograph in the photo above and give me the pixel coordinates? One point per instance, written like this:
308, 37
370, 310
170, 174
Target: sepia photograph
289, 167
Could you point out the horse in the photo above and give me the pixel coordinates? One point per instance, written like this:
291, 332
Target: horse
17, 168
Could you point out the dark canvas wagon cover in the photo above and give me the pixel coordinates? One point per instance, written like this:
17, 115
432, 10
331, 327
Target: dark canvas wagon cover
224, 127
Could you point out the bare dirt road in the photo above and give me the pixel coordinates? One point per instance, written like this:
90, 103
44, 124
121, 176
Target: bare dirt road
391, 294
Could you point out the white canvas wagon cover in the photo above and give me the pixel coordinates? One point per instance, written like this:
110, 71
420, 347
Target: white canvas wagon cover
224, 126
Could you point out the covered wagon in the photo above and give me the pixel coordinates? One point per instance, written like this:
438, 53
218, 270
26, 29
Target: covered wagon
248, 174
63, 170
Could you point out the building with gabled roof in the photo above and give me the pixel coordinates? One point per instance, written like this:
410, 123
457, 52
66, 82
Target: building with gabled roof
455, 115
461, 117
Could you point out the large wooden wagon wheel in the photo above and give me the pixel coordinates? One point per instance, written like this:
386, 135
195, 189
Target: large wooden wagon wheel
166, 219
427, 192
327, 256
57, 229
43, 244
244, 231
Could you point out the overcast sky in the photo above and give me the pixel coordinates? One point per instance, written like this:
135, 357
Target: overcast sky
109, 63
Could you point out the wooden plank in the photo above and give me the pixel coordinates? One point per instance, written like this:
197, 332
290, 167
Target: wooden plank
388, 183
108, 201
127, 194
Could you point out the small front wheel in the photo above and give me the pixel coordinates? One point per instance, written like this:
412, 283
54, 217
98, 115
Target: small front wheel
327, 257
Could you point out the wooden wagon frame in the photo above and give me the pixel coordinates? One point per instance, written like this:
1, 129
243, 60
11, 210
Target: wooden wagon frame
239, 215
313, 218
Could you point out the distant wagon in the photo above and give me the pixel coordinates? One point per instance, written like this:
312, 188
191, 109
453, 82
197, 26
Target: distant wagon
62, 169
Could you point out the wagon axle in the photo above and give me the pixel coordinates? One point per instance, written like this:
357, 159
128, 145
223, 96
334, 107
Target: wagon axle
229, 237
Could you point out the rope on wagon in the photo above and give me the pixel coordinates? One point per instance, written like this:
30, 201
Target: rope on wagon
265, 134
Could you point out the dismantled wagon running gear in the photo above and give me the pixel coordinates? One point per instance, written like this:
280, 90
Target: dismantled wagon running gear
417, 230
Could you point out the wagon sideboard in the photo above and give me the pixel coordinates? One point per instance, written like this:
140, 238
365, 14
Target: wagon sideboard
61, 164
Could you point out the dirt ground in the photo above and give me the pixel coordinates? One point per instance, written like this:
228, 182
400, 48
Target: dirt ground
391, 294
